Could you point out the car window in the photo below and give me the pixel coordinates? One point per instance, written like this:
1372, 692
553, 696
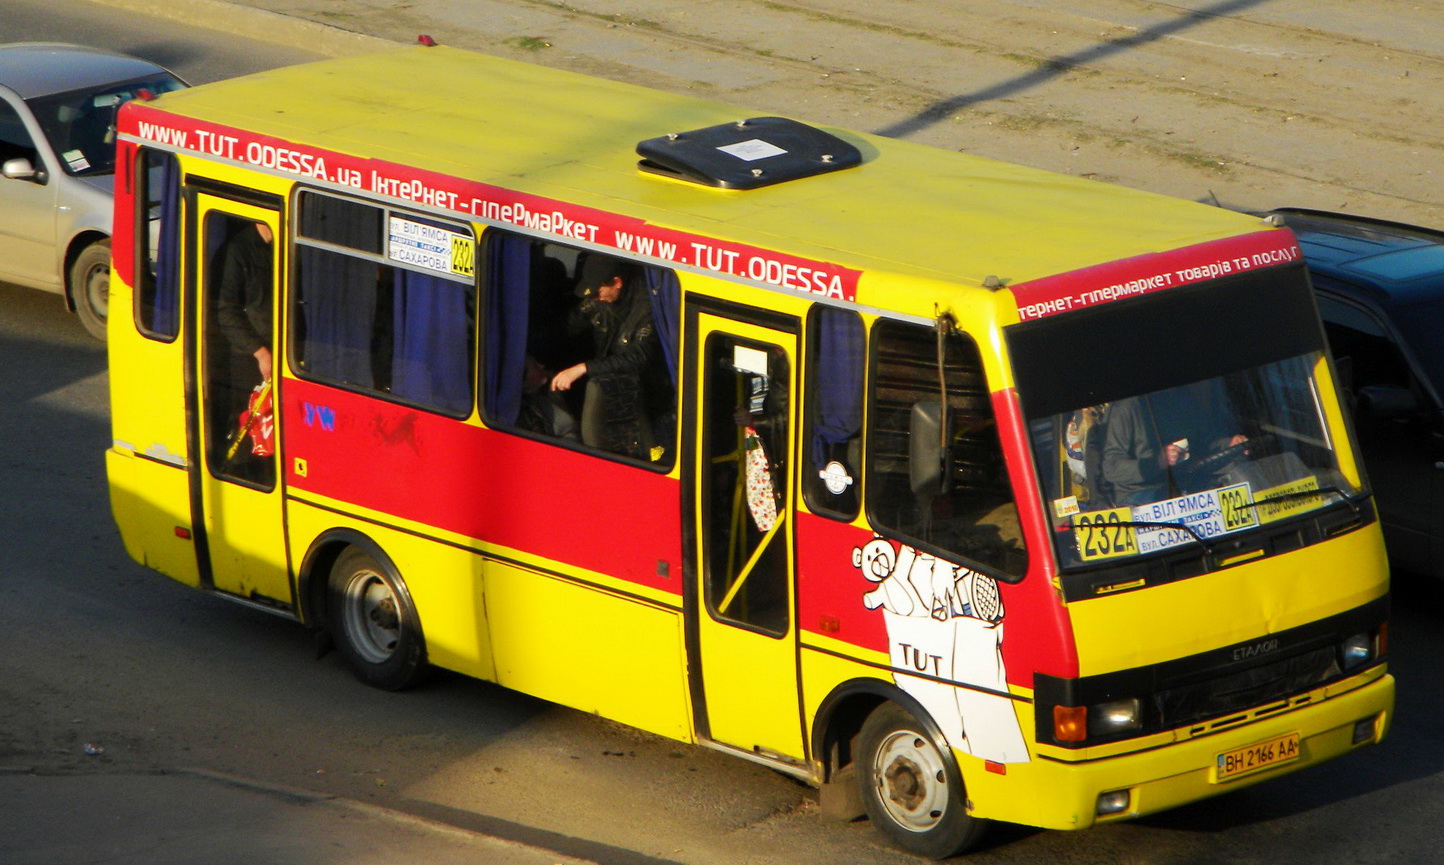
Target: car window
15, 140
81, 125
1420, 324
1362, 345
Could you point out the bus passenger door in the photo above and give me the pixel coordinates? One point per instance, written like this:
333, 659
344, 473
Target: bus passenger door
236, 495
742, 639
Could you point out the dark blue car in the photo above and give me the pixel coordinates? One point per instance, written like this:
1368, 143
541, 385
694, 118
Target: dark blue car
1380, 289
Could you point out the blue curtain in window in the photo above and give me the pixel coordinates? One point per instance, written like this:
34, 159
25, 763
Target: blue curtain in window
338, 308
166, 320
841, 356
665, 295
431, 359
508, 280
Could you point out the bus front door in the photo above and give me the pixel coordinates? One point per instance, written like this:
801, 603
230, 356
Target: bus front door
741, 625
236, 496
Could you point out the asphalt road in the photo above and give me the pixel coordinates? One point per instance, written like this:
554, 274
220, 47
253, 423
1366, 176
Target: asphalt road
106, 667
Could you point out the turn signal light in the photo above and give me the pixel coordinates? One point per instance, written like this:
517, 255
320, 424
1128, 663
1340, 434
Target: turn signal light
1070, 723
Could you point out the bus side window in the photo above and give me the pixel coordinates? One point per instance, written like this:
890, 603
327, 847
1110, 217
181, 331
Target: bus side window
837, 364
974, 515
363, 322
157, 302
570, 360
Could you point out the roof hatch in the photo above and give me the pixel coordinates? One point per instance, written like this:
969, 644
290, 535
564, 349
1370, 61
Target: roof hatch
747, 154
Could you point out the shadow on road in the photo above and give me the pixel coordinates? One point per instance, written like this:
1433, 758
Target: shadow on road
1056, 67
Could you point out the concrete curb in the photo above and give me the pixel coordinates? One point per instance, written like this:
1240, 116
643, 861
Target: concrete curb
259, 24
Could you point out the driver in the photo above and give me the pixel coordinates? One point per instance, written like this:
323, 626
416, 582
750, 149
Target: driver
1148, 437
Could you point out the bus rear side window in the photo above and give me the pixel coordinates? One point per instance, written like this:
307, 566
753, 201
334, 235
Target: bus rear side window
157, 302
967, 511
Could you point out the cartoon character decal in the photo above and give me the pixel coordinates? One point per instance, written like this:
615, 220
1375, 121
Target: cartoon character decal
945, 624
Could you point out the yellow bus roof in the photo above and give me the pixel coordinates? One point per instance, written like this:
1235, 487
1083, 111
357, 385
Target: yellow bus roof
908, 208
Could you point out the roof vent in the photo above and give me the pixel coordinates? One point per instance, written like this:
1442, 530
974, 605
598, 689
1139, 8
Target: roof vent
747, 154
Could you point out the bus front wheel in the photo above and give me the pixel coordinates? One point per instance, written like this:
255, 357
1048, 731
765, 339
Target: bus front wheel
374, 623
911, 792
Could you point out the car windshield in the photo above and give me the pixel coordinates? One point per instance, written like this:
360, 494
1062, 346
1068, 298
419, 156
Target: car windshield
1421, 323
80, 125
1169, 422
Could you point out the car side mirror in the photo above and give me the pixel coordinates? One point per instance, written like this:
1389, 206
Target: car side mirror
21, 168
927, 470
1387, 402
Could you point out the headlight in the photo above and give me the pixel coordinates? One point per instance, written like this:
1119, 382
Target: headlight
1099, 721
1115, 716
1356, 651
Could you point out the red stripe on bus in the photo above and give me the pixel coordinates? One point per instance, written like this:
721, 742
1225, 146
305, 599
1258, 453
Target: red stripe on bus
531, 496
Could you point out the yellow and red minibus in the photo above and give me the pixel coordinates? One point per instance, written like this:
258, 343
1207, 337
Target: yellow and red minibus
964, 491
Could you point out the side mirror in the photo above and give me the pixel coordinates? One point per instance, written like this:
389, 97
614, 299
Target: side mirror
927, 463
1387, 402
21, 168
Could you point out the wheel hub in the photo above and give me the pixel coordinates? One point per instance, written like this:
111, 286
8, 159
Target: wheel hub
372, 617
912, 781
905, 784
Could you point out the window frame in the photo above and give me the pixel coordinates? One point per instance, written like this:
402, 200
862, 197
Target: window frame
143, 282
814, 492
878, 332
487, 413
294, 293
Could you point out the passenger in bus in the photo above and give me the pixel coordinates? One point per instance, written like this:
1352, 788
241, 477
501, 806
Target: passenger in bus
243, 306
616, 314
1083, 453
544, 410
1150, 440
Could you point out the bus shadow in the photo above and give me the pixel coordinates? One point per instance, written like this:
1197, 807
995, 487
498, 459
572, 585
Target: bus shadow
1053, 68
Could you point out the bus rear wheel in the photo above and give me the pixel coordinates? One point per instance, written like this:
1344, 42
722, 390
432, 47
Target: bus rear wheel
911, 791
373, 622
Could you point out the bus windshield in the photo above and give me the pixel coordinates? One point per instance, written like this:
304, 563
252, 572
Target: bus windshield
1176, 421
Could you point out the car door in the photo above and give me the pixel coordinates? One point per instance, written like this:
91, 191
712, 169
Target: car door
27, 205
1403, 449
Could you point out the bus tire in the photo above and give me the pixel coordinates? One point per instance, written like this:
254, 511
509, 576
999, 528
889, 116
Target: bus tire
912, 793
373, 622
89, 282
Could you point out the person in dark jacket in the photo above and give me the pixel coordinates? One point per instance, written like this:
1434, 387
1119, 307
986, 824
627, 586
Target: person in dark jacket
243, 302
617, 315
243, 308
